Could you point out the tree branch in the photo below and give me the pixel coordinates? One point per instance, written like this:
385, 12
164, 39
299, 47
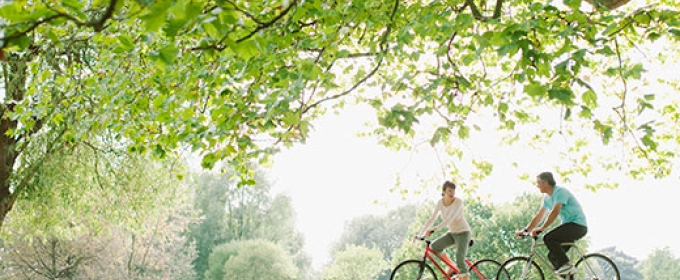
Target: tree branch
478, 14
383, 50
97, 25
269, 23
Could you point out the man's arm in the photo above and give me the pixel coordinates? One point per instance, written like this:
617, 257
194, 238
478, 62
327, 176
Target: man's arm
537, 219
551, 218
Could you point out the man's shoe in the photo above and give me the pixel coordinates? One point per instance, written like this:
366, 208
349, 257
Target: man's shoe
566, 269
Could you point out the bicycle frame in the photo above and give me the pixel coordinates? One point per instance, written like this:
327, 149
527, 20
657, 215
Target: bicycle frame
428, 255
576, 254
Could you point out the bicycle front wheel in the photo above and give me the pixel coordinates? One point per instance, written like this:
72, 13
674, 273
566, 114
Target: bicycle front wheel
520, 268
413, 270
596, 267
485, 269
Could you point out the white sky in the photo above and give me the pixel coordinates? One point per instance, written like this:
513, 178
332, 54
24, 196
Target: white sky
337, 176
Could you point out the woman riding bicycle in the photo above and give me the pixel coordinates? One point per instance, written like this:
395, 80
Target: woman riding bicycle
558, 201
451, 210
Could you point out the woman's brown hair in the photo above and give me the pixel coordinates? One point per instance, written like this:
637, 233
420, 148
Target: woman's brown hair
448, 184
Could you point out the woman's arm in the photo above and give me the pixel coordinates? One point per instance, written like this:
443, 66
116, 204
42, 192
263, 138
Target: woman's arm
425, 231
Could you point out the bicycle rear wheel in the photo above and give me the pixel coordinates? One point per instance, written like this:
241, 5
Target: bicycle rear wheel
519, 268
596, 267
485, 269
413, 270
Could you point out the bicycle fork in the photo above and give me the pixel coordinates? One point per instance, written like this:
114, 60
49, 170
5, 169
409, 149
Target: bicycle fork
527, 266
421, 268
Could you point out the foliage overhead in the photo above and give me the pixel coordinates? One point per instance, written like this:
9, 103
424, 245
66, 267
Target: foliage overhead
236, 80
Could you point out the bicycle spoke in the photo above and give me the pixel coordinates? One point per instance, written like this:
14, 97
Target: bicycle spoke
596, 267
484, 270
519, 268
413, 270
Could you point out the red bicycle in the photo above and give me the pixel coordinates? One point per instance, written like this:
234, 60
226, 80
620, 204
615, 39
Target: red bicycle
420, 269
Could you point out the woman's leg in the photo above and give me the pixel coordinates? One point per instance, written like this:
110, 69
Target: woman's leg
441, 243
462, 239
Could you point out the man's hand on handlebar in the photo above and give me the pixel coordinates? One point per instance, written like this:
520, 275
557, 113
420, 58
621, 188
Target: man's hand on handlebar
525, 232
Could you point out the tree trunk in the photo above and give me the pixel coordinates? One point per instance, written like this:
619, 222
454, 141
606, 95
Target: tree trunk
14, 75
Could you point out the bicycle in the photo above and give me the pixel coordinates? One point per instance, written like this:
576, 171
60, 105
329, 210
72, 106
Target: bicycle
589, 266
419, 269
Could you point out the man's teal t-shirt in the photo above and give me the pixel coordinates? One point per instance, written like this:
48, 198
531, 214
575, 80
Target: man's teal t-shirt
571, 210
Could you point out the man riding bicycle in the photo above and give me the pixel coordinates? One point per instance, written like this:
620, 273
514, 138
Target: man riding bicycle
558, 201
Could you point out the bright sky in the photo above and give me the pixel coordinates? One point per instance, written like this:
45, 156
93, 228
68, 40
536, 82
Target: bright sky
337, 176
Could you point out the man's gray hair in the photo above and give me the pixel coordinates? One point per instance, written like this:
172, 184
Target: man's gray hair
547, 177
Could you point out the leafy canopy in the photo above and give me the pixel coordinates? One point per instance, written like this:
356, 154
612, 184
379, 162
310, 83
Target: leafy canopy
236, 80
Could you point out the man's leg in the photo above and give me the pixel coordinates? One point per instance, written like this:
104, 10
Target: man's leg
553, 259
568, 232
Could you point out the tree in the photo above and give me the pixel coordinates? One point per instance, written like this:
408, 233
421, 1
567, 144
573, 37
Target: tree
661, 264
230, 214
383, 232
102, 234
159, 253
209, 232
251, 259
627, 265
356, 262
237, 80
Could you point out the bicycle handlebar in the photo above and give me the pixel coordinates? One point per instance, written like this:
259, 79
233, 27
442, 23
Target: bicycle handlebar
526, 233
422, 238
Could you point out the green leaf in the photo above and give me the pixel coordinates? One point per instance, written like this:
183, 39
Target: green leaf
642, 18
439, 134
510, 48
605, 50
210, 28
589, 98
565, 96
76, 7
125, 42
649, 142
154, 20
535, 90
174, 26
169, 54
22, 42
463, 132
290, 118
635, 72
573, 4
246, 49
